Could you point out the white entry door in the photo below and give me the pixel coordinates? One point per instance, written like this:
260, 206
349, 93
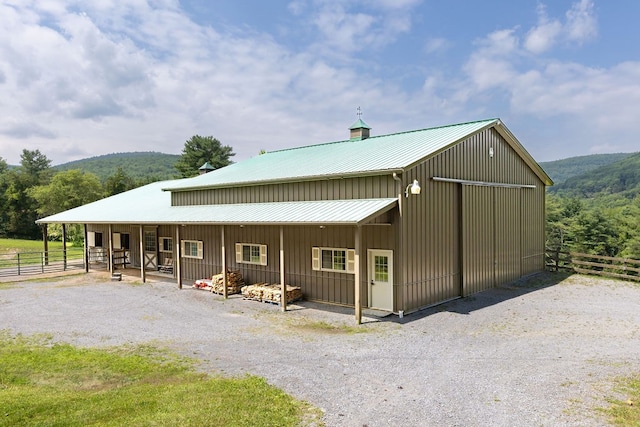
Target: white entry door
380, 268
150, 249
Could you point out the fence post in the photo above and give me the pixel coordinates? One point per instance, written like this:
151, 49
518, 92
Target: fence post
18, 263
42, 261
557, 259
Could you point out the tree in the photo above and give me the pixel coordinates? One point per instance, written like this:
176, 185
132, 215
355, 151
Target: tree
20, 208
595, 233
118, 183
202, 149
3, 197
67, 190
34, 163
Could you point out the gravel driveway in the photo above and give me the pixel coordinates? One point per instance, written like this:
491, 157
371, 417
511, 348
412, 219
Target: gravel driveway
543, 352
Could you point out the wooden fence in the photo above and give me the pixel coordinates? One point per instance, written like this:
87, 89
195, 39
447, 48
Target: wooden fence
619, 268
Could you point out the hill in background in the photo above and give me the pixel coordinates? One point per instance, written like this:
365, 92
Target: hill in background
141, 166
561, 170
620, 177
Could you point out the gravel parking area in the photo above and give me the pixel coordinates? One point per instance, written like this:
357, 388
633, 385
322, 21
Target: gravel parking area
541, 352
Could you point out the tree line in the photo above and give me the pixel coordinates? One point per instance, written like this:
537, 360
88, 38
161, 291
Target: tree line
605, 225
34, 189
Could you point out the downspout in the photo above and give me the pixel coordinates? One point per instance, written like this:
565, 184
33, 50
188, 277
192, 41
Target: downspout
398, 297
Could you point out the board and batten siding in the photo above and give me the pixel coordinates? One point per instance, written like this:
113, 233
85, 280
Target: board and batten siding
369, 187
323, 286
460, 239
134, 238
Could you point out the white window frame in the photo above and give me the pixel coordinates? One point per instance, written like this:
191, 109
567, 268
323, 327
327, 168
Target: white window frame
162, 244
240, 251
349, 259
199, 246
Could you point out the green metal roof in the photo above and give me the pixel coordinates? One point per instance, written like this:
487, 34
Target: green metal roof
358, 124
374, 155
150, 205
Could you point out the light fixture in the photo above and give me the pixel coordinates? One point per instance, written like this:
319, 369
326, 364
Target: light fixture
413, 187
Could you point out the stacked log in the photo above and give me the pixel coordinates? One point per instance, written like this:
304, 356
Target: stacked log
266, 292
216, 283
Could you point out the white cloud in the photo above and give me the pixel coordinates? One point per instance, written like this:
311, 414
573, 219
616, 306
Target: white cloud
437, 44
581, 22
544, 35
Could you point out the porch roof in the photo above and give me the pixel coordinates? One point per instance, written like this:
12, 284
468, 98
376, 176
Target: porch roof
150, 205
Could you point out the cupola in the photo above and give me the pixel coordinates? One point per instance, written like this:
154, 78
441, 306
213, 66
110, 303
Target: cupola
359, 130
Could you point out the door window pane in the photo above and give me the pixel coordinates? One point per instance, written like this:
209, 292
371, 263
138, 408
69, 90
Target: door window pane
381, 268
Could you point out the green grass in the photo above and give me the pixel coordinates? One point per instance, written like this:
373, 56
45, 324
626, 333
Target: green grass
30, 252
626, 412
47, 383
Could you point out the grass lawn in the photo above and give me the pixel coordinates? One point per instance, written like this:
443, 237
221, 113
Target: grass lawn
626, 412
42, 383
31, 250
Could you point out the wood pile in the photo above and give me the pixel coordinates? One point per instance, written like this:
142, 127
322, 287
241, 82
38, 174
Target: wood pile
216, 283
266, 292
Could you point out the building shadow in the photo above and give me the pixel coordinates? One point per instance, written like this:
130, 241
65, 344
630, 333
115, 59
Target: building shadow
488, 298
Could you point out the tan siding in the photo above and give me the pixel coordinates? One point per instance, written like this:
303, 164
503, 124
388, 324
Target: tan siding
478, 234
508, 235
329, 189
449, 231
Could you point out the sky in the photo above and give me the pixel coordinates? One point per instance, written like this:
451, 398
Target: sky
82, 78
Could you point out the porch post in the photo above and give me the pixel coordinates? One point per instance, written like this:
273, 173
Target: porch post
143, 273
110, 258
225, 291
45, 241
178, 258
358, 307
86, 249
283, 295
64, 246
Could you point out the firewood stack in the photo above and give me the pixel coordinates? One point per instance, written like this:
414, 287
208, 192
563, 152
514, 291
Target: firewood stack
216, 284
266, 292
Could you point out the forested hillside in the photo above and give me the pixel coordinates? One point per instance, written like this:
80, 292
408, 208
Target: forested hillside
621, 177
140, 166
561, 170
598, 211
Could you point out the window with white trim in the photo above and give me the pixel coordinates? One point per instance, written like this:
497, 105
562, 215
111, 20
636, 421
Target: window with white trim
191, 249
333, 259
249, 253
166, 244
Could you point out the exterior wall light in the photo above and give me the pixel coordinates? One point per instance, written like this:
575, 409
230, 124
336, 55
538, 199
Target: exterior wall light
414, 188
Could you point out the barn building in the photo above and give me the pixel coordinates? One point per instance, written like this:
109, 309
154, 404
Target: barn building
396, 222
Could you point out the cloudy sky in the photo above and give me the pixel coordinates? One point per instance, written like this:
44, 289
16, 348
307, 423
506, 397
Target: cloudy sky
80, 78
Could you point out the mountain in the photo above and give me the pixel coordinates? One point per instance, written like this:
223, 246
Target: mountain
561, 170
141, 166
620, 177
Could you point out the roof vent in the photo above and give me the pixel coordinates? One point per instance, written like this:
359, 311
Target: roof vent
206, 168
359, 130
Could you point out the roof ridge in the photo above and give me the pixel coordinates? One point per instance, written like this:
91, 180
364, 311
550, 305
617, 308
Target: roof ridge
381, 136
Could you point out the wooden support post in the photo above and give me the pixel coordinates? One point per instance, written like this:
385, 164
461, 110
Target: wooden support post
45, 241
143, 273
283, 296
64, 246
357, 276
110, 257
225, 291
86, 249
178, 258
